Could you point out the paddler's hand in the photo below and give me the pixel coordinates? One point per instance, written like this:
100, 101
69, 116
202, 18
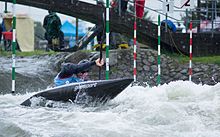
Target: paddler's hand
99, 62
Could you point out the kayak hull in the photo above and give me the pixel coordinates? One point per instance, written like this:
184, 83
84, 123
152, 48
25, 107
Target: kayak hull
101, 91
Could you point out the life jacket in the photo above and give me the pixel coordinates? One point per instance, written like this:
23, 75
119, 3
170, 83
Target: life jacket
58, 81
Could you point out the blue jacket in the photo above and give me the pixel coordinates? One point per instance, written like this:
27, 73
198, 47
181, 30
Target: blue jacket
59, 82
68, 70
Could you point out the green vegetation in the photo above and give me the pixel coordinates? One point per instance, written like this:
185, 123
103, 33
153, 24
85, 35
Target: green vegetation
209, 59
25, 54
213, 59
114, 69
180, 58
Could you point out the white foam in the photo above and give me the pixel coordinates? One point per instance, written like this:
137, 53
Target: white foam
177, 109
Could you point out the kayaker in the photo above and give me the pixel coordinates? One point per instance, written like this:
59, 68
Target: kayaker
71, 72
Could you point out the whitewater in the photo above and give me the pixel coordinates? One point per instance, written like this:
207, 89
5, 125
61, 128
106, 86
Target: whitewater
176, 109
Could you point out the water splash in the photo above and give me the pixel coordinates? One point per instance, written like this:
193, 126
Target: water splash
177, 109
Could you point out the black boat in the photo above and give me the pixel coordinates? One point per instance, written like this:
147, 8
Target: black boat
92, 91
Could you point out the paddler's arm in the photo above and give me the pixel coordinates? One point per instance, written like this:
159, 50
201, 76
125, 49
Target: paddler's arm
84, 66
68, 69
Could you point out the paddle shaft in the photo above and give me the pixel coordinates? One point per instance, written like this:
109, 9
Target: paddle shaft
101, 45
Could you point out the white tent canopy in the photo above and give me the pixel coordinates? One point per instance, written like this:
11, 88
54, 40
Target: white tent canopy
24, 30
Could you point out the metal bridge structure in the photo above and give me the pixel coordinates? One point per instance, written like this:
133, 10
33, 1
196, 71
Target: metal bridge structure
203, 43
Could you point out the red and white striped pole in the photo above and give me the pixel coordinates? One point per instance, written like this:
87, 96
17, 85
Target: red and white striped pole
135, 43
158, 57
190, 52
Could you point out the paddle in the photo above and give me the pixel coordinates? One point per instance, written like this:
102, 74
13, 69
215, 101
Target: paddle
100, 68
101, 44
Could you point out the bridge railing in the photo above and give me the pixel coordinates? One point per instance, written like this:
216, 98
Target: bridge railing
203, 26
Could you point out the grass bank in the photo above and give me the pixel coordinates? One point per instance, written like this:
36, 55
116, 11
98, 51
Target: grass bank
180, 58
26, 54
205, 60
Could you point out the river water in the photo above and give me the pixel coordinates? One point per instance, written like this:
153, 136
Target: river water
177, 109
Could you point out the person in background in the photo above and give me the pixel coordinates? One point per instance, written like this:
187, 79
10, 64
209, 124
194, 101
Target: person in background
123, 6
7, 42
140, 8
45, 26
54, 35
71, 73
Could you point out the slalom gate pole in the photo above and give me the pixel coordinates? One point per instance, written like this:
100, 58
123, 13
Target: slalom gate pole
107, 39
13, 47
190, 52
158, 57
135, 42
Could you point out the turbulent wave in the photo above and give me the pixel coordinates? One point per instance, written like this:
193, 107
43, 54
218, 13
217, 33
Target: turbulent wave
9, 129
177, 109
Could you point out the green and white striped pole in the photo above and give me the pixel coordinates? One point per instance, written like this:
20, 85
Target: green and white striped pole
13, 47
158, 57
107, 39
